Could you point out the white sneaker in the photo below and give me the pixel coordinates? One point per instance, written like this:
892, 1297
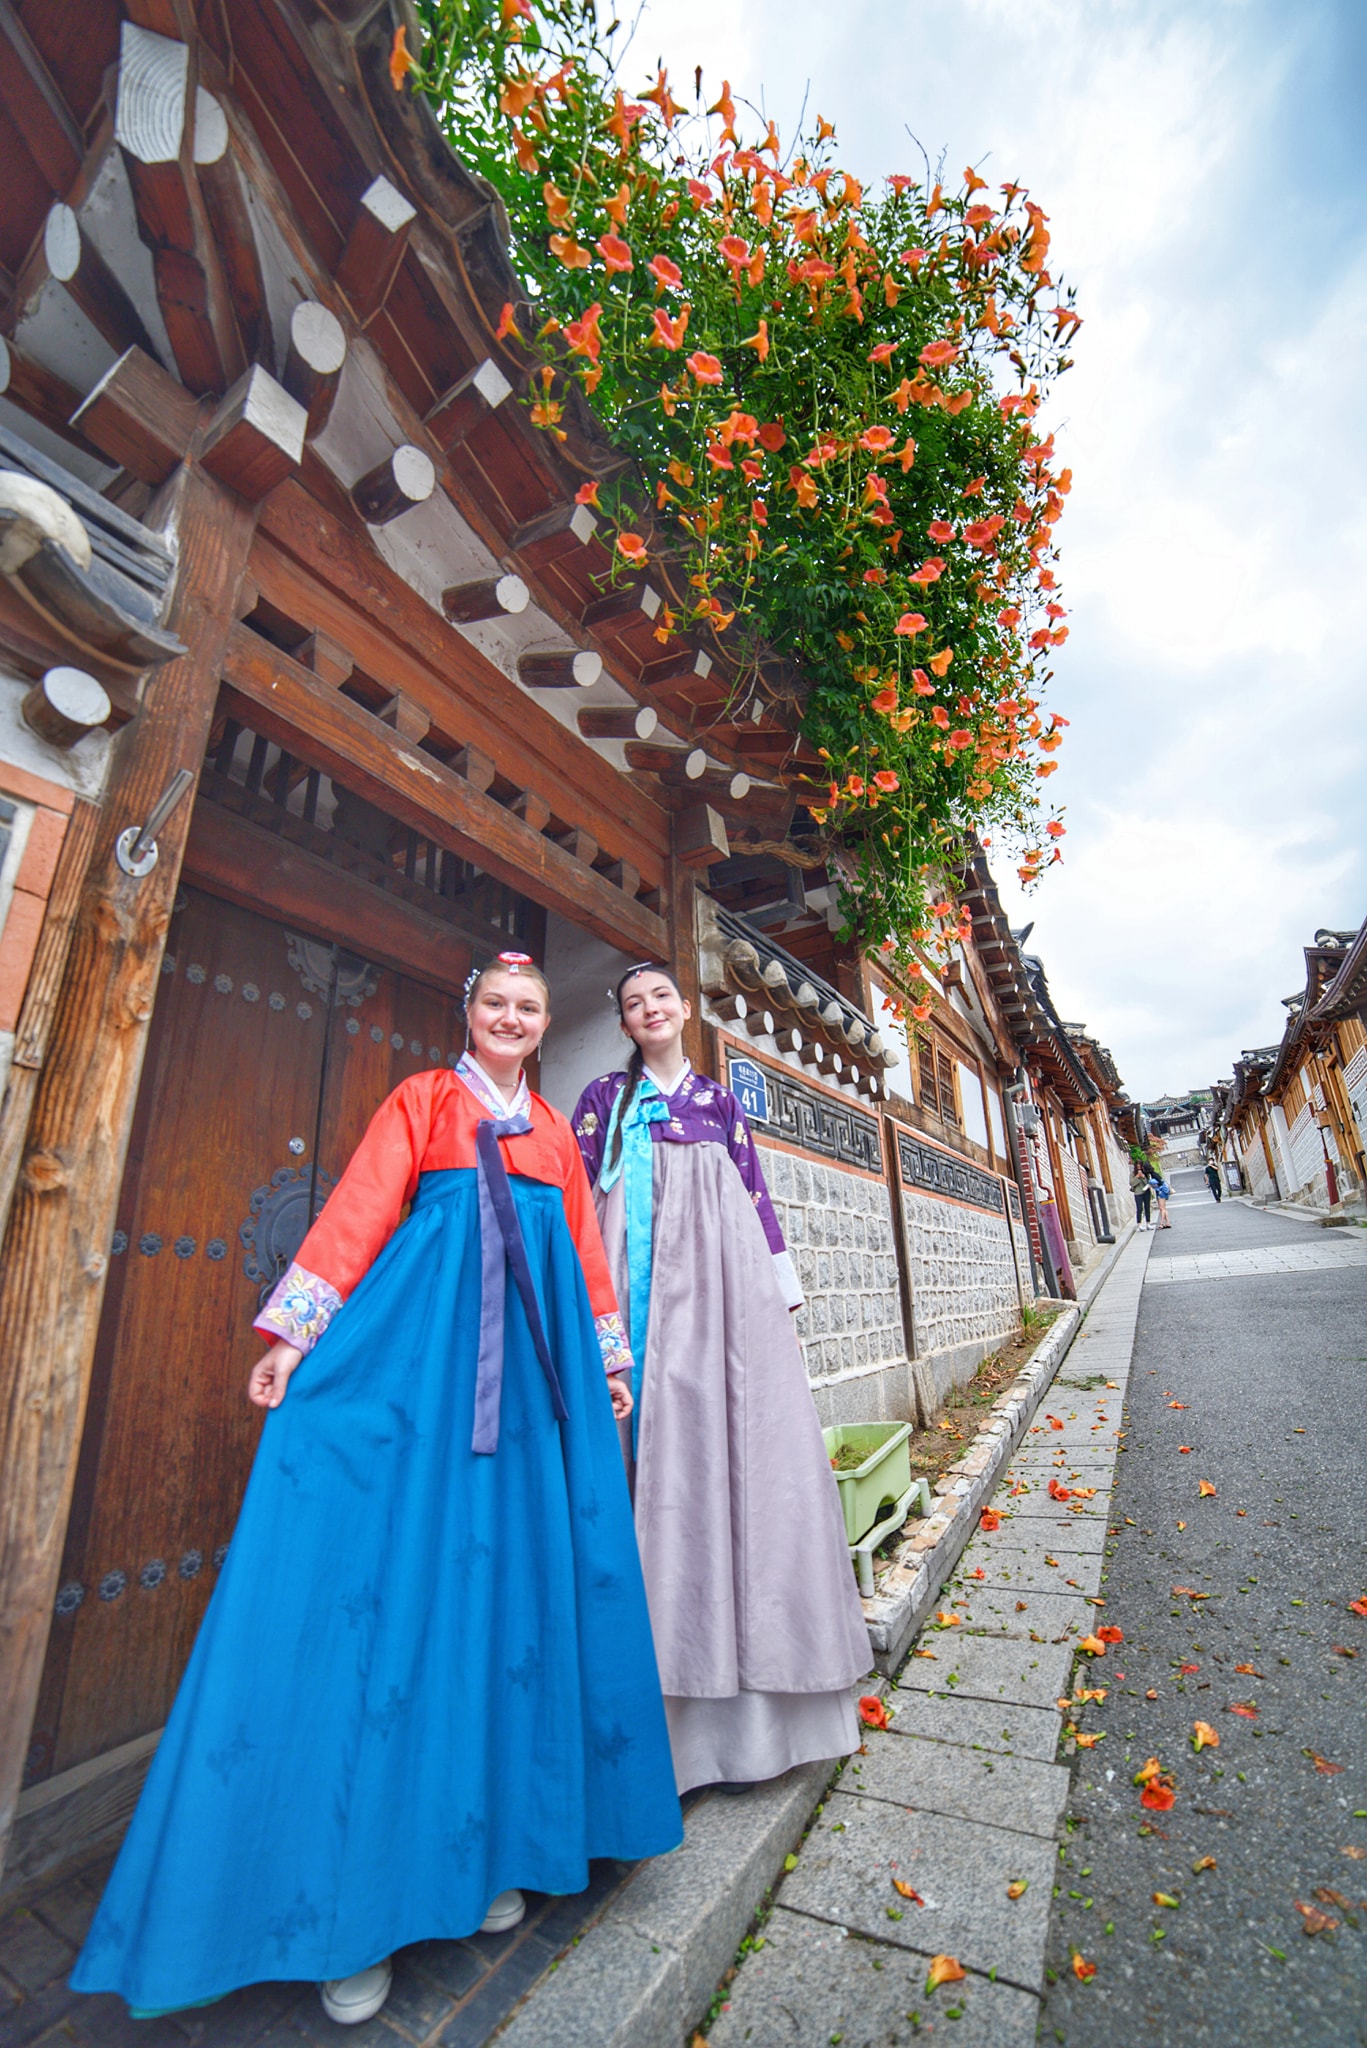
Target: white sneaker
349, 2000
505, 1913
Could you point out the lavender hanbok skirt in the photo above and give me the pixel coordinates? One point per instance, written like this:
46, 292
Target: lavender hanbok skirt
758, 1629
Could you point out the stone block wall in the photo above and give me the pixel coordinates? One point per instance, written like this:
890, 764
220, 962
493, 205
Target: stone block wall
1257, 1179
839, 1230
965, 1289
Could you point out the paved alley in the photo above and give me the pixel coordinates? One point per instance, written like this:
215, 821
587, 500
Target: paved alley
977, 1828
1265, 1352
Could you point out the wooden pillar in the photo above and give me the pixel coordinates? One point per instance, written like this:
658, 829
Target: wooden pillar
56, 1250
1101, 1128
45, 977
680, 912
1061, 1202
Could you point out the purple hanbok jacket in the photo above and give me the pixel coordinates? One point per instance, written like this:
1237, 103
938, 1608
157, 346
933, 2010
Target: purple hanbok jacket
702, 1112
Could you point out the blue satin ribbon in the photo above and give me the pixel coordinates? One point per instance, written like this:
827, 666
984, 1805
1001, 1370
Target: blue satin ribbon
636, 1161
502, 1245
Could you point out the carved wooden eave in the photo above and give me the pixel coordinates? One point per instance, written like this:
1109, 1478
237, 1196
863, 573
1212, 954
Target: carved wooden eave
754, 985
1306, 1027
456, 269
245, 250
1346, 992
92, 583
1017, 1005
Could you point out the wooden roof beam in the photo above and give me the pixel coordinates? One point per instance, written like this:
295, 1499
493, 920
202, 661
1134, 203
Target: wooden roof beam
140, 417
279, 697
470, 401
576, 668
313, 363
256, 437
35, 105
154, 127
41, 392
375, 248
73, 261
407, 477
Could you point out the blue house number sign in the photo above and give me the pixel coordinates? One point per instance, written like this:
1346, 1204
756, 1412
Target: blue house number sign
749, 1086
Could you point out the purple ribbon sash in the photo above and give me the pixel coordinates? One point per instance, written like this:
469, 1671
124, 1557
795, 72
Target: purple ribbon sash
502, 1245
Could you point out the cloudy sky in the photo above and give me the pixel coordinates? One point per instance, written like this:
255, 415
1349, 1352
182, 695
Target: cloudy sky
1202, 162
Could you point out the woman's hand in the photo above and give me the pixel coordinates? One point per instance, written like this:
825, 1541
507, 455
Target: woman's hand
271, 1374
620, 1389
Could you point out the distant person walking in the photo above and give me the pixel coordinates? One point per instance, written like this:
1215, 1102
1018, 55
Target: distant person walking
1161, 1191
1213, 1181
1143, 1195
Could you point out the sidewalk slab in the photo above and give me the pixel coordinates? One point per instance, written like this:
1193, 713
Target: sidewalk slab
961, 1868
1025, 1616
1030, 1573
1028, 1493
1006, 1730
991, 1668
924, 1804
1021, 1793
650, 1965
812, 1982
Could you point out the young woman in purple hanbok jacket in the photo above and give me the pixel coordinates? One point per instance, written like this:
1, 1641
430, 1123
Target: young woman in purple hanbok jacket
758, 1630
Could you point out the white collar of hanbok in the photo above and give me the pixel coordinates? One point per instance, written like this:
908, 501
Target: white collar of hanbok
489, 1094
683, 1078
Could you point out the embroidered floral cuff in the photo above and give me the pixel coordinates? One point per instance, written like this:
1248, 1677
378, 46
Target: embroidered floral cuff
612, 1342
300, 1308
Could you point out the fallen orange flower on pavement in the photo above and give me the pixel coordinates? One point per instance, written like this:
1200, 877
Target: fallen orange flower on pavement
872, 1712
944, 1970
1082, 1969
1204, 1736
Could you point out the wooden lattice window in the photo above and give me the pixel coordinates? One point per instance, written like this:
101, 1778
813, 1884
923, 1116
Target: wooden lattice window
949, 1104
925, 1054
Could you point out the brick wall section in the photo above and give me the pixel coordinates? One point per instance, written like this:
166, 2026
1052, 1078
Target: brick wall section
839, 1230
963, 1274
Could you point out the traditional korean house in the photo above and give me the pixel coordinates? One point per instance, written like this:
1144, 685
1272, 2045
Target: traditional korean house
316, 686
1296, 1113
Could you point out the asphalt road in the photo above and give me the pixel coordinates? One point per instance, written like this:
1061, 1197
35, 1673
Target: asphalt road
1270, 1368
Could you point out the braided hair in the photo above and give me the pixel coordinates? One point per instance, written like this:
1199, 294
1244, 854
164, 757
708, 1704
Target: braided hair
636, 1065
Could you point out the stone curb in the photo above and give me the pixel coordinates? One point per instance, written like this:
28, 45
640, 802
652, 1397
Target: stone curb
911, 1589
645, 1973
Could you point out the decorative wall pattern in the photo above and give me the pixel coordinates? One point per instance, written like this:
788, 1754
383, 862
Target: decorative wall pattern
940, 1173
816, 1122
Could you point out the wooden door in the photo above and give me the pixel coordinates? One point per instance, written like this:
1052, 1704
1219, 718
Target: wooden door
268, 1055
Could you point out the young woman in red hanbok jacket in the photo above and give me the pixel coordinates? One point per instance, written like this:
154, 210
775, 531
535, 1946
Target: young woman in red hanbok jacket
425, 1678
758, 1628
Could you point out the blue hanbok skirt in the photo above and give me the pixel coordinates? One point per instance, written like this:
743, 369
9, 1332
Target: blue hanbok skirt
425, 1676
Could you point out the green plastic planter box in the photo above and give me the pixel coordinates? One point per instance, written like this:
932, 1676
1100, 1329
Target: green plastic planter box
883, 1478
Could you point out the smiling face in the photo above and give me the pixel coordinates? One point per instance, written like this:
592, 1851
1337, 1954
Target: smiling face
653, 1012
507, 1017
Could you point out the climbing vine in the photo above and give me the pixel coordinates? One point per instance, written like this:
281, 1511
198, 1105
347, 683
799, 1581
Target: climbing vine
829, 398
